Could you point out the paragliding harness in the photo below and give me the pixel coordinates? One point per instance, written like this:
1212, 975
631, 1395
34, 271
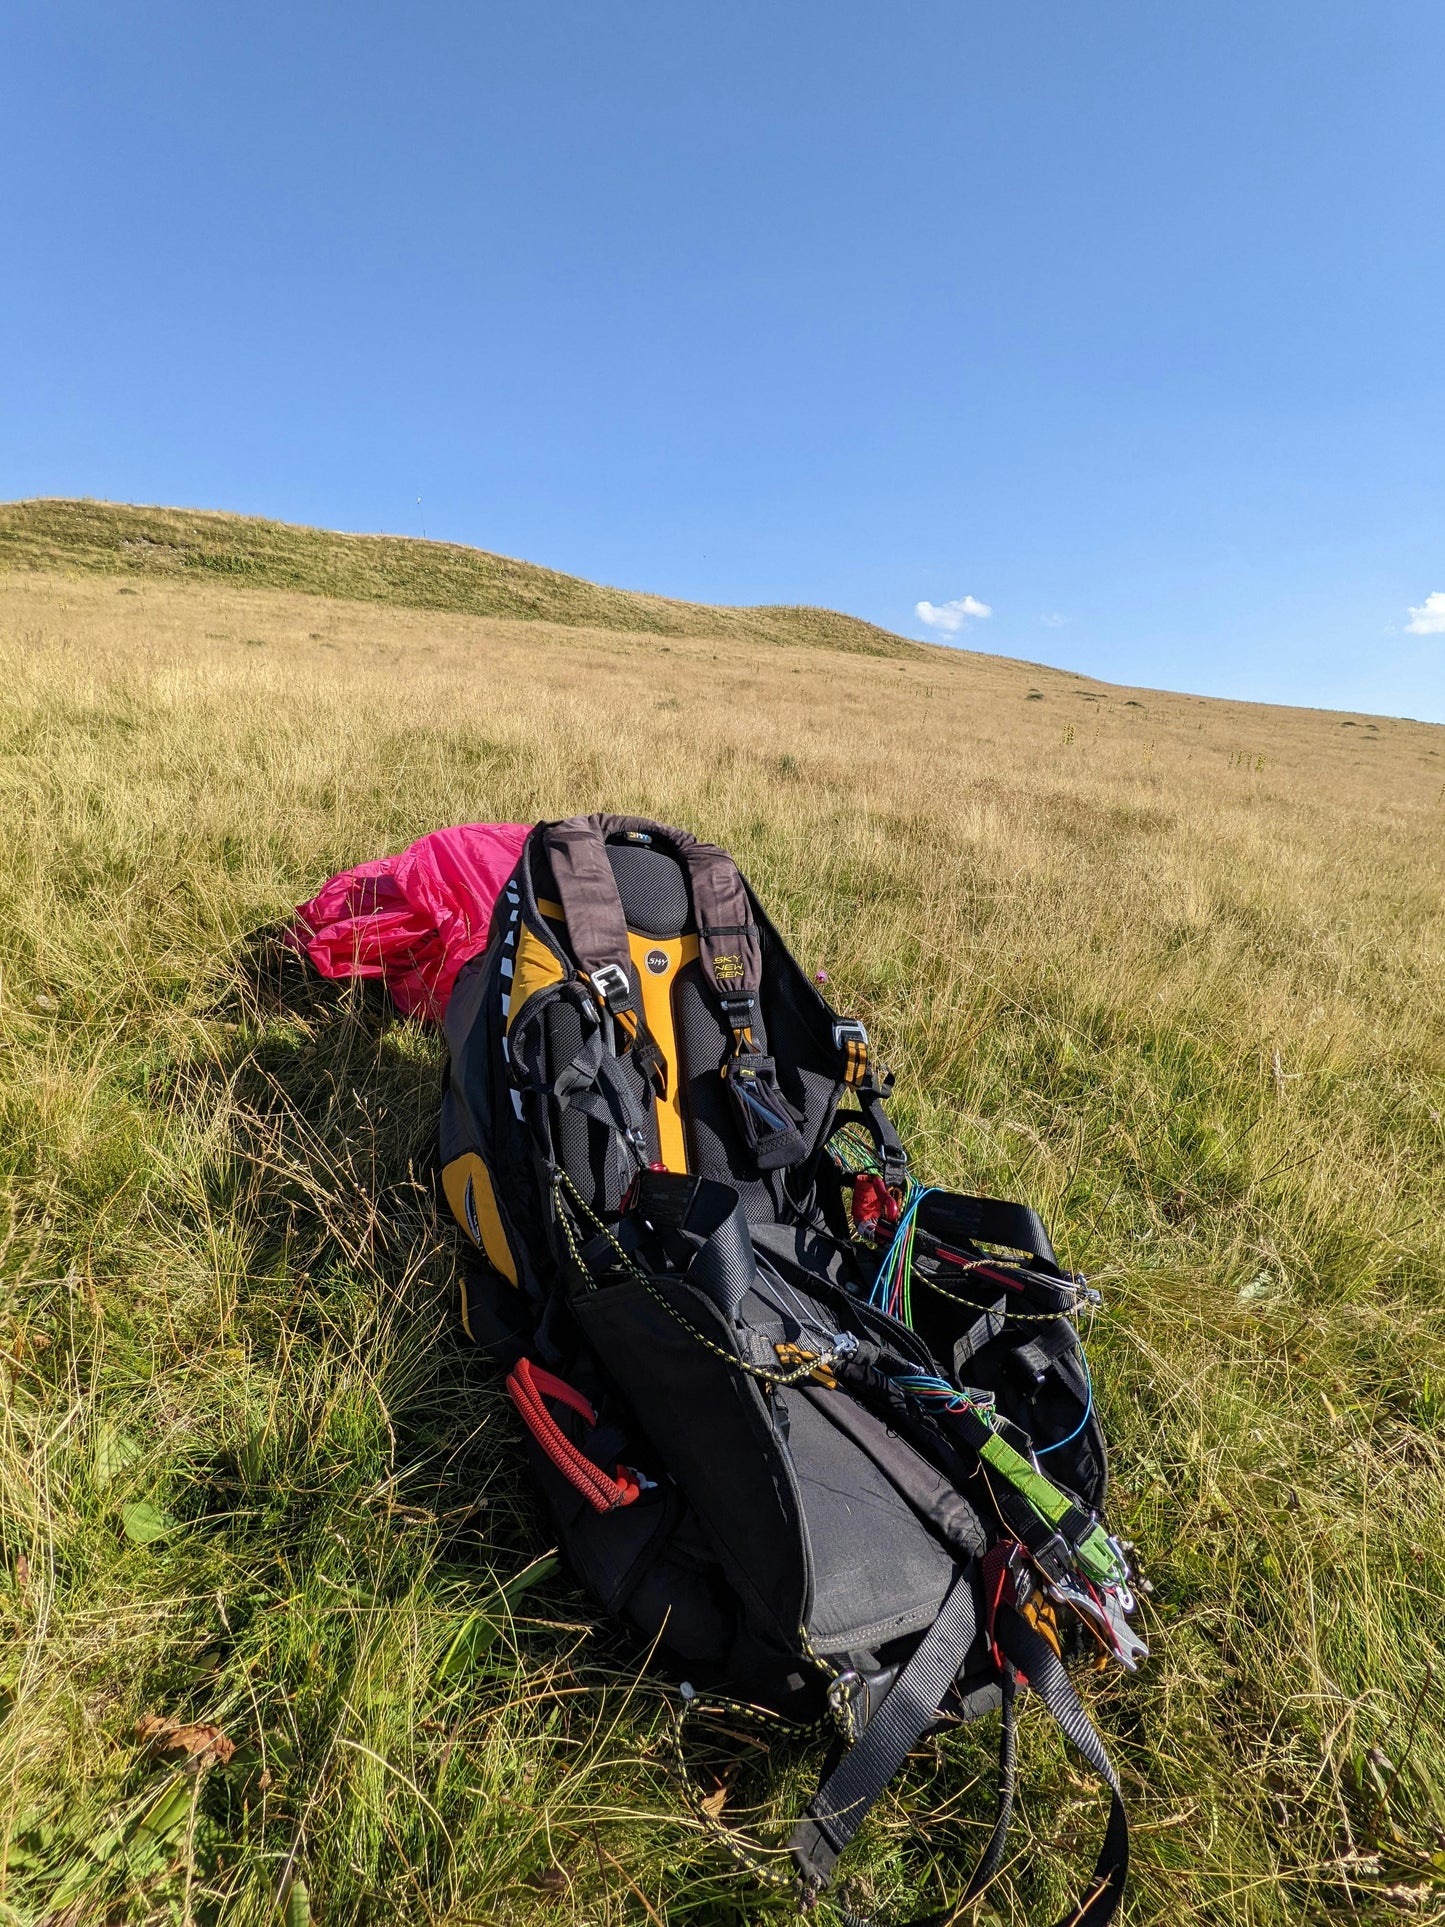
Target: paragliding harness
824, 1436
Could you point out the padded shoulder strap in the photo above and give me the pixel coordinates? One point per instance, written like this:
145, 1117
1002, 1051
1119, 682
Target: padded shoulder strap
596, 927
728, 943
730, 951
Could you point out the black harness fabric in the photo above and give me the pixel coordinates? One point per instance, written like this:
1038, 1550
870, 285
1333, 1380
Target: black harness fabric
779, 1518
933, 1498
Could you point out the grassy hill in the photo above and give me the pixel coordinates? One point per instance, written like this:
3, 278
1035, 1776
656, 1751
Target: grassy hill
1172, 970
111, 538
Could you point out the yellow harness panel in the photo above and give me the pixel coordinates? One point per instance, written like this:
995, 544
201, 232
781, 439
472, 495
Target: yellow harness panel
657, 961
468, 1186
534, 968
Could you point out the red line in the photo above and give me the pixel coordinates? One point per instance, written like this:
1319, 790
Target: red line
602, 1493
978, 1265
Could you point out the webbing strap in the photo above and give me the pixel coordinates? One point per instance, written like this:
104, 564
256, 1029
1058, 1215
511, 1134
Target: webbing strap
909, 1709
988, 1221
984, 1329
1041, 1665
992, 1857
590, 1084
892, 1158
850, 1790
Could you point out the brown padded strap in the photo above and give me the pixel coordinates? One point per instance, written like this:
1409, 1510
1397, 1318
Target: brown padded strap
729, 948
728, 944
596, 927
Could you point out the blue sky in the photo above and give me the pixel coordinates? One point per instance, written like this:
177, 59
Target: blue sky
1126, 321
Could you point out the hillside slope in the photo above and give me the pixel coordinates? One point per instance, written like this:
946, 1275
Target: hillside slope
1171, 970
399, 571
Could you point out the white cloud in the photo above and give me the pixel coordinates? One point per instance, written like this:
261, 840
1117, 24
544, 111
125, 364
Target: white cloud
950, 617
1427, 620
1053, 621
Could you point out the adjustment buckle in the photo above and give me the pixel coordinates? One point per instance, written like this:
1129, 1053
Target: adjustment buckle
895, 1167
738, 1016
850, 1040
613, 986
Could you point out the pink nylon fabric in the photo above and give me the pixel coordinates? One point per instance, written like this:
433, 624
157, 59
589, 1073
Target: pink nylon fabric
412, 919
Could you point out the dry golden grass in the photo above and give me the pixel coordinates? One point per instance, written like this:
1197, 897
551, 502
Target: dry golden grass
1173, 970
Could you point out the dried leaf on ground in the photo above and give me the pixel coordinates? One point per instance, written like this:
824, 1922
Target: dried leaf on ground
206, 1745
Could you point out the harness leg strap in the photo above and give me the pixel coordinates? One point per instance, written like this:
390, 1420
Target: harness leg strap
909, 1709
1037, 1660
838, 1809
992, 1857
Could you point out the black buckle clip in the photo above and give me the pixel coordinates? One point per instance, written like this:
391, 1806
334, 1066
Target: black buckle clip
894, 1160
847, 1031
738, 1011
613, 986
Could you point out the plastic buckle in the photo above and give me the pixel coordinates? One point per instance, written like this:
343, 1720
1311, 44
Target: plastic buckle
613, 986
847, 1031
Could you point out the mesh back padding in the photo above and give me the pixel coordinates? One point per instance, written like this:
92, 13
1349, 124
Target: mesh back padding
653, 889
714, 1140
811, 1092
